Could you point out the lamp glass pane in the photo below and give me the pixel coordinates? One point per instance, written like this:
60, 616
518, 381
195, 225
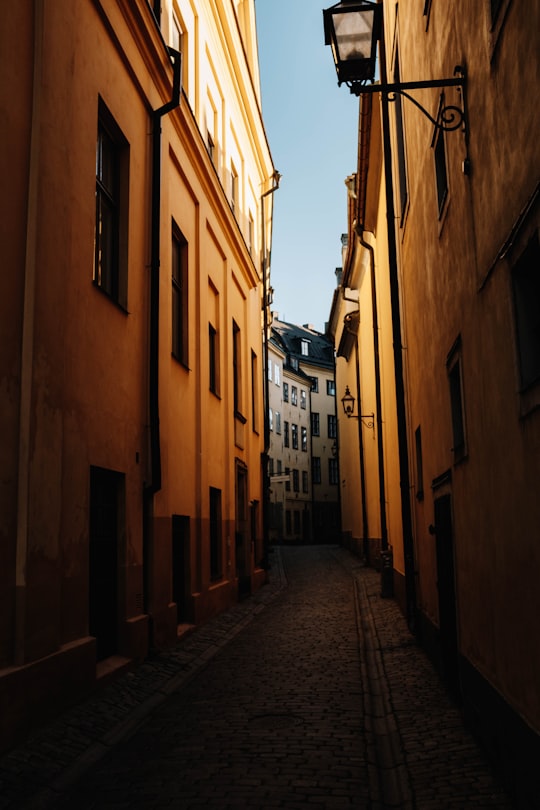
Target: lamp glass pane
354, 31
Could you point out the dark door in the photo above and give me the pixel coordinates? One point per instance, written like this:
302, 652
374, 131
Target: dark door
106, 488
180, 567
447, 591
242, 544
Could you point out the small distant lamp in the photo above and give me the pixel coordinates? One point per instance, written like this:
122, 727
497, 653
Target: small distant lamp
353, 29
348, 403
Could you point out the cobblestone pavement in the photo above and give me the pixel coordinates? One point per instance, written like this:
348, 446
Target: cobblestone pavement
311, 693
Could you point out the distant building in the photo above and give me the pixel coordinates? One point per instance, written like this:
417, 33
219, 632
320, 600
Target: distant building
304, 474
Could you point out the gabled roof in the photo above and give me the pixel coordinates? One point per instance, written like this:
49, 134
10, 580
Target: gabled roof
293, 338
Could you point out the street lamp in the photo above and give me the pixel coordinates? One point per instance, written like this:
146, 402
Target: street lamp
353, 29
347, 400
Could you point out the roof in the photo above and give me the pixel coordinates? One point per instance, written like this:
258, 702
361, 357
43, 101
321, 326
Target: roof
297, 340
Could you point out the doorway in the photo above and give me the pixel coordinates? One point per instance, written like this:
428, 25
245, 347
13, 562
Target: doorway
242, 538
107, 490
447, 592
180, 567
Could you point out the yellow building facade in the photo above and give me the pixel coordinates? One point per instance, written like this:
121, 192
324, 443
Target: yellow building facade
131, 359
461, 248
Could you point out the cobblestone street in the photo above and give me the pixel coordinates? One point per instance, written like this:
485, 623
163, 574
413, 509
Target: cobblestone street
311, 693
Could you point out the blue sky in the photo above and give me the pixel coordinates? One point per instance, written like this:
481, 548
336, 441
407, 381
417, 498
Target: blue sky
312, 128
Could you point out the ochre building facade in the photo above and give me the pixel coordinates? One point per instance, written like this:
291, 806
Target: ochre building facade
454, 256
131, 357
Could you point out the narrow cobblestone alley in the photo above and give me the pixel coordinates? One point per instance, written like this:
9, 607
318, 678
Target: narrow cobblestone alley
320, 698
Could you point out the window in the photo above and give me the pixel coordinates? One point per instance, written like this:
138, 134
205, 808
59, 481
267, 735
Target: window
234, 188
278, 422
277, 374
211, 147
285, 392
315, 424
296, 480
304, 439
294, 436
293, 362
216, 556
279, 463
288, 481
456, 402
237, 372
250, 232
213, 364
254, 391
270, 465
270, 370
316, 469
333, 471
526, 287
441, 176
315, 384
305, 481
176, 34
285, 434
331, 388
270, 419
303, 399
110, 235
332, 426
304, 347
419, 464
294, 395
179, 296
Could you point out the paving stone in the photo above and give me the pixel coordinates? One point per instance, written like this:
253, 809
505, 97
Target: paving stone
311, 693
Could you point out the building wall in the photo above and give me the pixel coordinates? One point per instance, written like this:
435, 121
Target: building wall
79, 465
325, 497
476, 513
471, 361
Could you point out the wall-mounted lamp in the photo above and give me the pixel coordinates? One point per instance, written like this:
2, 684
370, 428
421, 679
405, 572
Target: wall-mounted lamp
347, 400
352, 29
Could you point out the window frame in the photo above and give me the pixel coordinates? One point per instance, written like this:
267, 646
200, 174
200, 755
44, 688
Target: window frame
285, 391
316, 470
332, 426
179, 296
525, 284
111, 193
454, 368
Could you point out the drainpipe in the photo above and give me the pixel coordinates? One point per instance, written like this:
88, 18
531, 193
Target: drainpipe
27, 342
153, 484
265, 266
406, 516
386, 589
